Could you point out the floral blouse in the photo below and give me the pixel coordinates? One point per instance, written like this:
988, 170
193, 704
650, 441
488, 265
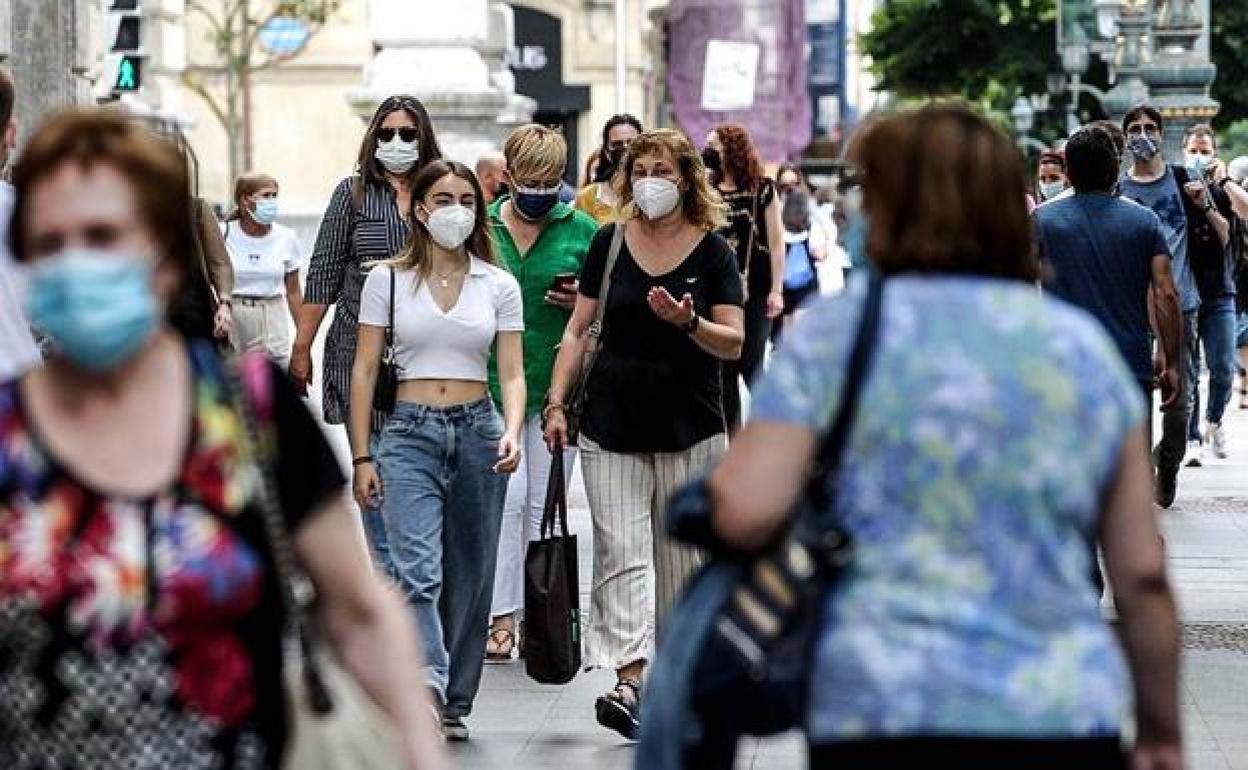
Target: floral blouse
146, 633
990, 426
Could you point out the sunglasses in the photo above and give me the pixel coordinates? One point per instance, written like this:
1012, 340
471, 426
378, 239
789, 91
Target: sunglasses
408, 135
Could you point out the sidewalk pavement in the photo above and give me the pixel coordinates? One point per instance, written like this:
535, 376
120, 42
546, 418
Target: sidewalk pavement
521, 725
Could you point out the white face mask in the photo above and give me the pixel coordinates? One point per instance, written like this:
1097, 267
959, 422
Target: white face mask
1198, 164
450, 226
655, 196
397, 155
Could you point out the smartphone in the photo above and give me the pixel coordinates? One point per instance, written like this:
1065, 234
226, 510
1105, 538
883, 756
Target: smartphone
563, 283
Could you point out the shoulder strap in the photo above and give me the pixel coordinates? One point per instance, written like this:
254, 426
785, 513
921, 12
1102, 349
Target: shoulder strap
390, 324
604, 289
556, 508
827, 461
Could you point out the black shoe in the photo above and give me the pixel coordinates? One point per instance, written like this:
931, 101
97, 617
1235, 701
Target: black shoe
1167, 486
454, 729
618, 712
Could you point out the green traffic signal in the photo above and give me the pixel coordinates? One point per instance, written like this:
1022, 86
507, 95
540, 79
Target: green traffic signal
129, 74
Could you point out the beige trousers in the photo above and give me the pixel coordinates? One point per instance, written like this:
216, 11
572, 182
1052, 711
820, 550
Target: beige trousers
264, 325
627, 499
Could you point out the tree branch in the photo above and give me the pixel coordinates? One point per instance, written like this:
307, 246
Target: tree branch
214, 106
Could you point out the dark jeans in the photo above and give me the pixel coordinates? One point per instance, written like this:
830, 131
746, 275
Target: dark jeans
1168, 454
1216, 325
757, 330
443, 508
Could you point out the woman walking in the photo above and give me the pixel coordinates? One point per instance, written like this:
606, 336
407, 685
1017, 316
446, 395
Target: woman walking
598, 199
755, 233
141, 623
545, 254
965, 632
266, 259
366, 221
439, 474
654, 415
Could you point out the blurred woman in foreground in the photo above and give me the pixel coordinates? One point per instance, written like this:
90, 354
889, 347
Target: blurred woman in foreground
141, 622
999, 433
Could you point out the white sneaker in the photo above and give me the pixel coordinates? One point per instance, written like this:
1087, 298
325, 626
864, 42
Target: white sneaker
1195, 454
1217, 439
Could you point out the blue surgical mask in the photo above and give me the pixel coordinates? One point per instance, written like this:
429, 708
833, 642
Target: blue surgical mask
535, 203
265, 211
1050, 190
96, 307
1197, 164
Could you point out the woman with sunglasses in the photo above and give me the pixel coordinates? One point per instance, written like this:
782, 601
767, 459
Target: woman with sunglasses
366, 221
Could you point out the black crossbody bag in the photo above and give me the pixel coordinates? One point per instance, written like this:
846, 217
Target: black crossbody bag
386, 388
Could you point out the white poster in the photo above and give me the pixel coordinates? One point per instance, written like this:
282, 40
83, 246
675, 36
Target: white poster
729, 76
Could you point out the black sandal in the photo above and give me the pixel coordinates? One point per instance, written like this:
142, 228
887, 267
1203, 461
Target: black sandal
618, 712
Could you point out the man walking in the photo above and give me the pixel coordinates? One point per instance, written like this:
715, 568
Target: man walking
1187, 216
1213, 269
1110, 257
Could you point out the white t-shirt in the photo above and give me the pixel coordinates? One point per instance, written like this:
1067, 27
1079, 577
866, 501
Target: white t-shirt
262, 264
18, 352
432, 345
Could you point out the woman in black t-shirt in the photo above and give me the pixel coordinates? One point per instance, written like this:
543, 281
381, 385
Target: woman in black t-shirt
756, 235
654, 414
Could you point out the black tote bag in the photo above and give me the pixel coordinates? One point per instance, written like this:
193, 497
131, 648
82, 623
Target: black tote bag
552, 611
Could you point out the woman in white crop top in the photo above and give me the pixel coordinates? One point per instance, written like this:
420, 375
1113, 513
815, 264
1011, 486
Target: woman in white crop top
440, 465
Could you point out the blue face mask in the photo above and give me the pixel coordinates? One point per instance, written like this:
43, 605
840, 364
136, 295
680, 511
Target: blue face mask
96, 307
265, 212
535, 203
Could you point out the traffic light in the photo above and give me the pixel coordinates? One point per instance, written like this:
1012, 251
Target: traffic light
125, 45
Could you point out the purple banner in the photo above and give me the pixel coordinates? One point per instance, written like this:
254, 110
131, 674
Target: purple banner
779, 118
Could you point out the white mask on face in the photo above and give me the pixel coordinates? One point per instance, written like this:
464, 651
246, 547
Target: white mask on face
397, 155
450, 226
655, 196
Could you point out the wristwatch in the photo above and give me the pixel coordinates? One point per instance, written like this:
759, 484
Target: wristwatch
691, 326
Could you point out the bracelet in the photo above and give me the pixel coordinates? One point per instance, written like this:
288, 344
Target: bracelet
691, 326
361, 460
546, 410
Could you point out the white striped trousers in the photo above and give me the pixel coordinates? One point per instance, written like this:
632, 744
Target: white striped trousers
627, 498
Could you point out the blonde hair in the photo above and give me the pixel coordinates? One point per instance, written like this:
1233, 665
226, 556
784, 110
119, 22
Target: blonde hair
702, 206
534, 149
249, 184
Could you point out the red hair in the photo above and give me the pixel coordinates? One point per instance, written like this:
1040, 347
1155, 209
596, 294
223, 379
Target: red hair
740, 159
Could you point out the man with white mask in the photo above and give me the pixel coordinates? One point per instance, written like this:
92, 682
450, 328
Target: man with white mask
17, 347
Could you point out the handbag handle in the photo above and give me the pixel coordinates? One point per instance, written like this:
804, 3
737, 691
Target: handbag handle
556, 507
251, 402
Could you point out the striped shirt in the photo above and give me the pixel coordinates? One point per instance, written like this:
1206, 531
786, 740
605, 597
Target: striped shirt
346, 242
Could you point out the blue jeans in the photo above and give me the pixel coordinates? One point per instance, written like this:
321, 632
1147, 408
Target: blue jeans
442, 508
375, 525
1216, 323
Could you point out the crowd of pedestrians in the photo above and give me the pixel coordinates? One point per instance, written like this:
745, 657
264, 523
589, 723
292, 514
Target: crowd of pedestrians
1004, 434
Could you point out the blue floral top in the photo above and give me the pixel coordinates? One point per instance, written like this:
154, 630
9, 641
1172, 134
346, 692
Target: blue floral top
988, 430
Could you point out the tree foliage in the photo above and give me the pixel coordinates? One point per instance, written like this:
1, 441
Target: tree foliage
233, 29
984, 50
990, 51
1228, 47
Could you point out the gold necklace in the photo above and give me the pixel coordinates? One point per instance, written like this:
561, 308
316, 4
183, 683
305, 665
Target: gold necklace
444, 279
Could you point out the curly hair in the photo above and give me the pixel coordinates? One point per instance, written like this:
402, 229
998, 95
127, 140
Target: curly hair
740, 159
701, 204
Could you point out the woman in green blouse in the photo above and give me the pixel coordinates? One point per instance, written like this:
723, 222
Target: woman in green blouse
543, 242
